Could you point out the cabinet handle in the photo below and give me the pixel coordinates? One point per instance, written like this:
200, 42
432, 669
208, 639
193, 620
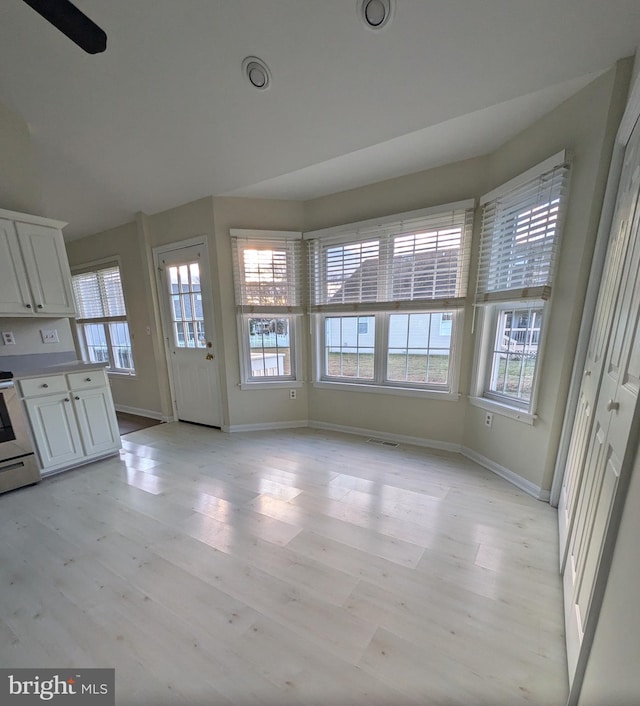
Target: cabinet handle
87, 379
66, 399
28, 306
44, 384
76, 397
39, 306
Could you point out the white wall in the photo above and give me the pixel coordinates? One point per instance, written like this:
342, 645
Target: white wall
19, 183
585, 125
256, 406
28, 340
20, 191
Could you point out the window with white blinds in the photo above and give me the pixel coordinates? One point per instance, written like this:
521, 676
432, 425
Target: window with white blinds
413, 260
101, 323
521, 225
267, 272
98, 294
267, 267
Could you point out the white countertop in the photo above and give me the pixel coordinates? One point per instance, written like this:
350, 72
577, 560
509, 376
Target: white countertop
59, 369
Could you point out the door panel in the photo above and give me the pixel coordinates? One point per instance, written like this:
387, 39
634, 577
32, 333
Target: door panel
622, 228
594, 493
189, 327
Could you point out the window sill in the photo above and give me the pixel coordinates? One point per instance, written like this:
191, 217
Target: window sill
497, 408
274, 385
386, 390
120, 374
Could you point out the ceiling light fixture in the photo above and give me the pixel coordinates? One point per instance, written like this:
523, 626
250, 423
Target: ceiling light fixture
376, 14
257, 72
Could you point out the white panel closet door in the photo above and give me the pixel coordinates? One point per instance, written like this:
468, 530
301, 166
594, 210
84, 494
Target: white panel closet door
605, 429
621, 231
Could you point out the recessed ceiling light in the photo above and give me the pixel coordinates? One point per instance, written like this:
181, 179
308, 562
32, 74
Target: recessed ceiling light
257, 72
376, 14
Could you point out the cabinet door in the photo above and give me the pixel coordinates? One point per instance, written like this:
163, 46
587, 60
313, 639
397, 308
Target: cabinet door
47, 266
97, 421
55, 430
14, 292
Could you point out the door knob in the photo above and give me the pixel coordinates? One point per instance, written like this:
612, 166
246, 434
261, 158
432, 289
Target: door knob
587, 373
613, 406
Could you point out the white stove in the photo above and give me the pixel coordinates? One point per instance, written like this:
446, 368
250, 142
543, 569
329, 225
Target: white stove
18, 465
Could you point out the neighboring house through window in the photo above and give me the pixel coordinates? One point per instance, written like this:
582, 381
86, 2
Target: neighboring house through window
521, 223
103, 330
387, 296
267, 268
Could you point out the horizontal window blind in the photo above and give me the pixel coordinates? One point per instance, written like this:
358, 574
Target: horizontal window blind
520, 236
98, 295
267, 272
409, 261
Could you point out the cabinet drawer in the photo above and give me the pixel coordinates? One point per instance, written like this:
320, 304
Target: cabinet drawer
86, 380
45, 385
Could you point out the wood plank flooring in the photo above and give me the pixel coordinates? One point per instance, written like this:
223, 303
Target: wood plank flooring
289, 567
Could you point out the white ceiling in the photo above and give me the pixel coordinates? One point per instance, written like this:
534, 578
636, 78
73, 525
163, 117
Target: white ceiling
165, 115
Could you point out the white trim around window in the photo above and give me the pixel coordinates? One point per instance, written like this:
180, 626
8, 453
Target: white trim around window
383, 359
267, 277
519, 359
101, 327
273, 359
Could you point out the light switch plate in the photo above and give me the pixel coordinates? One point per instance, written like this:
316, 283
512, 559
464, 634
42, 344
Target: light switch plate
49, 335
8, 338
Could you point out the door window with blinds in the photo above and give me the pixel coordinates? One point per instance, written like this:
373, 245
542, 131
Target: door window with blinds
521, 225
267, 269
387, 295
103, 330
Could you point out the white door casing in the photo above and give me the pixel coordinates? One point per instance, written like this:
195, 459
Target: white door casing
188, 330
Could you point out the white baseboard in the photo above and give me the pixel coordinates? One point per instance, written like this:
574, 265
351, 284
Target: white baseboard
400, 438
142, 412
513, 478
266, 426
520, 482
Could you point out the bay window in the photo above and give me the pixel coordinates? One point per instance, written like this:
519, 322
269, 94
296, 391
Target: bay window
521, 225
267, 268
387, 295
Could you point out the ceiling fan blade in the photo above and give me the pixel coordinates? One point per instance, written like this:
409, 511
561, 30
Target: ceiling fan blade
73, 23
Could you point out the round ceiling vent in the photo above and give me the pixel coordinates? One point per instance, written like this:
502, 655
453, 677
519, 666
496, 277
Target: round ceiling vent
376, 14
257, 72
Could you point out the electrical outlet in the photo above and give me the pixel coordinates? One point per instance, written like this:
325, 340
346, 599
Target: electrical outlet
8, 338
488, 419
292, 394
49, 335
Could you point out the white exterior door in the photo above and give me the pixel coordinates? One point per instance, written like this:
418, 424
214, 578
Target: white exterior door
188, 331
606, 426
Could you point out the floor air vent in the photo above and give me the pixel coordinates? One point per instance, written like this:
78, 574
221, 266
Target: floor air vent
382, 442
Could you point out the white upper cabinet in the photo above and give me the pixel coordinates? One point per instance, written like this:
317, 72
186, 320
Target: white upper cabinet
34, 271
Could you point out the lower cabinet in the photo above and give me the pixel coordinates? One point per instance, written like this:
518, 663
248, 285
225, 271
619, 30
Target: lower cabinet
72, 418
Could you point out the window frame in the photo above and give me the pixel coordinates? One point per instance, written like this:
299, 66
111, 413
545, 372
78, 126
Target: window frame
489, 304
292, 311
380, 383
104, 321
254, 382
398, 290
482, 395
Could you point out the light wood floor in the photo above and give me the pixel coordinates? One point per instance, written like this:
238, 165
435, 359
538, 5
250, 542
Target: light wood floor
296, 567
